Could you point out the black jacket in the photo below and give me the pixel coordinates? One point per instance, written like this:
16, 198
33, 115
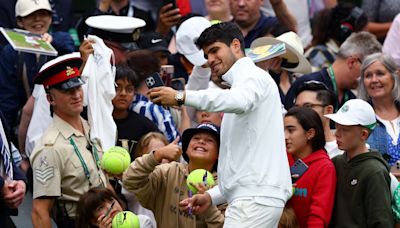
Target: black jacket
363, 197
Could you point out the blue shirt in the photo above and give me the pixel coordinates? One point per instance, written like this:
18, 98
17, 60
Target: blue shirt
264, 26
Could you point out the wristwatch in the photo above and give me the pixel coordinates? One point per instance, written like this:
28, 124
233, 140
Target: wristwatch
180, 97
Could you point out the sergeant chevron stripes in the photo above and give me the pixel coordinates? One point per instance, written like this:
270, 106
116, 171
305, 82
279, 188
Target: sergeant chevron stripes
43, 175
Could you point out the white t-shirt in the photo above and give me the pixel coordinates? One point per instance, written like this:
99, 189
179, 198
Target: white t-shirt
392, 128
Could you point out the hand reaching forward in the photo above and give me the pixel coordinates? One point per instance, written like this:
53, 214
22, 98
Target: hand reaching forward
197, 204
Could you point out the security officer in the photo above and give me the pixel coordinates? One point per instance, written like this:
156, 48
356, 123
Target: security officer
65, 163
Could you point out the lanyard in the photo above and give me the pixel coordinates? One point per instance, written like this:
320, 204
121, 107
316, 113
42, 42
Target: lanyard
332, 76
78, 153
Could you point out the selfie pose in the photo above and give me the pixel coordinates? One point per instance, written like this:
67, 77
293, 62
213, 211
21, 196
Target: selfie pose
252, 122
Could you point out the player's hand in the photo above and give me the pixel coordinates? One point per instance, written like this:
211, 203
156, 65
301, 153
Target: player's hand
197, 204
170, 152
163, 95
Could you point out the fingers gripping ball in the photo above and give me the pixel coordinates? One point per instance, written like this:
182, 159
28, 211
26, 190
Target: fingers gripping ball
125, 219
116, 160
198, 176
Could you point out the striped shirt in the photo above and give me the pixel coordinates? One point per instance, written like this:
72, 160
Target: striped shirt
158, 114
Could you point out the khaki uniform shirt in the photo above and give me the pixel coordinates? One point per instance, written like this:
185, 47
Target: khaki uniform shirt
57, 170
160, 188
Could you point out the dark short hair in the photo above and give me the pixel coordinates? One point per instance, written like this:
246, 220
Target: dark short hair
224, 32
144, 63
324, 94
308, 118
89, 202
125, 72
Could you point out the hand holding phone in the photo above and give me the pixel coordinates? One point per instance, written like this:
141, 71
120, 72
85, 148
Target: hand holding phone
298, 169
154, 80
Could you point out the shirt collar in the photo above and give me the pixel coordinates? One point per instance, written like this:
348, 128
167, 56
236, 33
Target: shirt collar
67, 130
241, 63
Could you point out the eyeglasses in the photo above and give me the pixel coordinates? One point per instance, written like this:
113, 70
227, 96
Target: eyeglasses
310, 105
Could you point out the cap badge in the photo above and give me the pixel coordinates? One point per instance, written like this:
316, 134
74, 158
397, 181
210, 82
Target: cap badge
69, 71
345, 108
354, 182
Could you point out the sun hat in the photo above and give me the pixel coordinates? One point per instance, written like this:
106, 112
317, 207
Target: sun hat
355, 112
188, 134
187, 34
293, 59
25, 7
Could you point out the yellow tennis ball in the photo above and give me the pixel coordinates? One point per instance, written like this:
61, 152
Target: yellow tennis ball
125, 219
213, 22
116, 160
197, 176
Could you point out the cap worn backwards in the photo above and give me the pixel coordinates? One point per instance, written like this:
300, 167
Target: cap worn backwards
186, 35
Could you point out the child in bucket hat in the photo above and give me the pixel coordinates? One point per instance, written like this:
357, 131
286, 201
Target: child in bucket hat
160, 187
362, 174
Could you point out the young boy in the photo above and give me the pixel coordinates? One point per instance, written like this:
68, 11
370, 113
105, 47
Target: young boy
130, 125
160, 188
363, 197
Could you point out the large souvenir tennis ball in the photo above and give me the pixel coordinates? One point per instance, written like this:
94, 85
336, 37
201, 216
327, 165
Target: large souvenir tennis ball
116, 160
199, 176
125, 219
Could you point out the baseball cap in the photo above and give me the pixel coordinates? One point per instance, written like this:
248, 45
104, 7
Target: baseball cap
188, 134
153, 42
355, 112
186, 36
61, 73
25, 7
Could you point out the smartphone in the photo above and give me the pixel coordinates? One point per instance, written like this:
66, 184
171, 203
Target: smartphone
166, 2
167, 73
298, 168
178, 83
154, 80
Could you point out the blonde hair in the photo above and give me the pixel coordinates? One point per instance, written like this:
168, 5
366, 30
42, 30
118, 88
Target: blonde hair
144, 142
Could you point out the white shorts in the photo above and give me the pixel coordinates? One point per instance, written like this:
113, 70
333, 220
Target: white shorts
250, 214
